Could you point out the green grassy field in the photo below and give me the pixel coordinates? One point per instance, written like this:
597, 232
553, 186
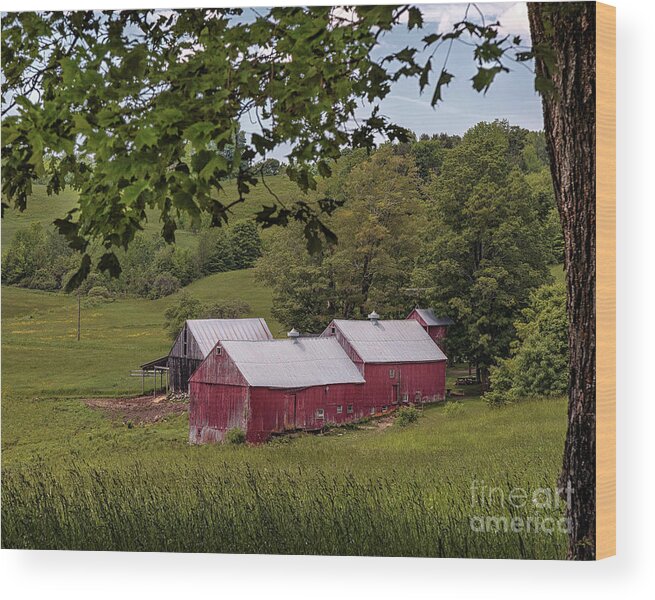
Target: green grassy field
74, 478
45, 209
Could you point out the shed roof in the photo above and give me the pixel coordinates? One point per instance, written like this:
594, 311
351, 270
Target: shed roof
304, 362
390, 341
427, 314
207, 332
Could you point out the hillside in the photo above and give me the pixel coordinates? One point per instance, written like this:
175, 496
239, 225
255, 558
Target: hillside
42, 357
45, 209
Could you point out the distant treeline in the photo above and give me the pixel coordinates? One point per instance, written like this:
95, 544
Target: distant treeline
40, 259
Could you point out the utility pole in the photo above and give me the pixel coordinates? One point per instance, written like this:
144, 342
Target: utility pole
79, 314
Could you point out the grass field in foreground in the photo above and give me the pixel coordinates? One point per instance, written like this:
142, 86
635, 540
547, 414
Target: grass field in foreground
394, 491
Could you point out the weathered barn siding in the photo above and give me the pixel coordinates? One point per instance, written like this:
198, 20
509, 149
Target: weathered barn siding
411, 382
276, 411
183, 360
218, 400
215, 409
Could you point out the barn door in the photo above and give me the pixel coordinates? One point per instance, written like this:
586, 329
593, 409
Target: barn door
396, 393
290, 406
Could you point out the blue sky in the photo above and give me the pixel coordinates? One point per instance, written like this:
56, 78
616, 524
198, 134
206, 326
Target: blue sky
511, 96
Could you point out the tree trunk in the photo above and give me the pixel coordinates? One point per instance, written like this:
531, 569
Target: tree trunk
569, 31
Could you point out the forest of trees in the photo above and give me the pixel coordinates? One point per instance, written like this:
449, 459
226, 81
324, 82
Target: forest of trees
465, 225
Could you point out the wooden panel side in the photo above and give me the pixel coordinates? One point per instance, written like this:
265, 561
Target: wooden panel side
606, 280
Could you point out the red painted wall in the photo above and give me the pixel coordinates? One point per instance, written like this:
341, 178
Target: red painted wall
275, 411
436, 332
221, 399
214, 409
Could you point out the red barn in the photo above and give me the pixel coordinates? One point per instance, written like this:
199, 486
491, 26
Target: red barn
437, 327
264, 387
398, 359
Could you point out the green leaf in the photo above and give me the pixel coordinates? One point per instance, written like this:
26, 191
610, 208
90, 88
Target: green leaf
132, 192
145, 137
109, 263
483, 79
80, 275
444, 79
415, 18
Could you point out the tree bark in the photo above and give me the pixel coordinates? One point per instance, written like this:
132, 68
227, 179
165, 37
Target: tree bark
568, 30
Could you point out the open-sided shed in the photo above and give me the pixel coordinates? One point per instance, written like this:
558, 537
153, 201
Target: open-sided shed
197, 338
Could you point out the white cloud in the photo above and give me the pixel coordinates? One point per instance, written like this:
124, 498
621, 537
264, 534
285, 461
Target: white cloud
513, 16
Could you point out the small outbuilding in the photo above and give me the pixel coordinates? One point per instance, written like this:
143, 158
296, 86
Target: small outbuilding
197, 339
265, 387
436, 327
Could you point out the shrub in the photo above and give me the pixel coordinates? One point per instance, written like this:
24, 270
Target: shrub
407, 415
236, 436
226, 309
453, 408
98, 294
164, 284
43, 279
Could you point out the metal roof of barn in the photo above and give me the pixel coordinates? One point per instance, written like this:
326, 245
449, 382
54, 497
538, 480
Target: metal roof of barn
390, 341
427, 314
304, 362
207, 332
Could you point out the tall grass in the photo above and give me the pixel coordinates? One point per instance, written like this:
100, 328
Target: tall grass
240, 509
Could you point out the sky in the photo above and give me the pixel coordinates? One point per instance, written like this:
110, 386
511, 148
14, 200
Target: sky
511, 96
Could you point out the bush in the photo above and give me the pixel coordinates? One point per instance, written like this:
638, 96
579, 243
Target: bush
226, 309
43, 279
164, 284
100, 292
235, 436
407, 415
453, 408
187, 307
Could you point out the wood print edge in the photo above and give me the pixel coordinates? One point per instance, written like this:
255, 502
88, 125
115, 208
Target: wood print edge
606, 280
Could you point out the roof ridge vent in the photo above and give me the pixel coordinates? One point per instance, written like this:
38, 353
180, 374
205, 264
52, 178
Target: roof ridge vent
374, 317
294, 334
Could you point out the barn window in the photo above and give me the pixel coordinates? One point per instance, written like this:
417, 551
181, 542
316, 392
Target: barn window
339, 409
372, 410
320, 413
392, 373
405, 397
218, 350
350, 408
384, 409
333, 330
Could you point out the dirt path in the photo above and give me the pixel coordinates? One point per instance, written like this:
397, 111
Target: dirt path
139, 409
